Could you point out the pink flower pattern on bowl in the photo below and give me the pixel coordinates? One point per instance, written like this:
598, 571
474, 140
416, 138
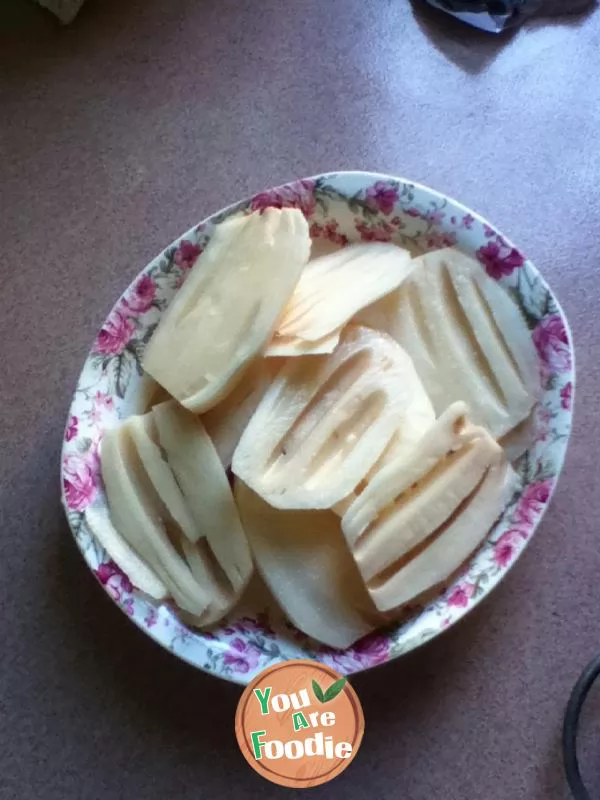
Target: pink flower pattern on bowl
341, 208
382, 197
71, 429
499, 259
437, 240
461, 595
370, 651
506, 547
79, 481
114, 580
242, 656
186, 254
566, 395
300, 194
329, 232
533, 499
114, 335
552, 343
140, 299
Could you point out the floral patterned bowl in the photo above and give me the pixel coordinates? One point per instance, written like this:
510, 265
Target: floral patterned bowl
341, 207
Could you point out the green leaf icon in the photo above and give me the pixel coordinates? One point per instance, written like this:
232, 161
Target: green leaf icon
334, 690
318, 692
331, 693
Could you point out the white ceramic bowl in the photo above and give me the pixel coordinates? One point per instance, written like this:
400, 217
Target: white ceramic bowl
341, 207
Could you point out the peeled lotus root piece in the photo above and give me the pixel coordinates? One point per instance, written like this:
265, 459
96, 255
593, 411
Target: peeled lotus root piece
452, 545
446, 435
306, 564
223, 317
519, 439
226, 422
293, 346
334, 287
165, 487
467, 337
148, 394
144, 434
204, 483
325, 420
136, 569
418, 419
409, 501
142, 520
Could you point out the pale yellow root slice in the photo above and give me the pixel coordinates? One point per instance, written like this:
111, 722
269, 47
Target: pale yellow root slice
137, 570
460, 370
382, 314
418, 419
203, 481
449, 433
142, 520
304, 561
226, 422
142, 430
452, 545
325, 421
226, 311
334, 287
495, 320
294, 346
256, 598
511, 328
421, 510
203, 569
413, 499
466, 336
149, 393
519, 439
207, 574
170, 563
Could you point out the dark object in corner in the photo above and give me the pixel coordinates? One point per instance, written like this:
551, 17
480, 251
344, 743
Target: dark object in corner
571, 727
496, 16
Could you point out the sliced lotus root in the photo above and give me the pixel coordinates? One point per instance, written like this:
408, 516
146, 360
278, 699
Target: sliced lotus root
226, 422
334, 287
304, 560
468, 339
223, 316
170, 499
325, 421
417, 498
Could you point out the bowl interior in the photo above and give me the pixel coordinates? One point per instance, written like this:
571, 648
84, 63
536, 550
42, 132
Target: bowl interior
341, 208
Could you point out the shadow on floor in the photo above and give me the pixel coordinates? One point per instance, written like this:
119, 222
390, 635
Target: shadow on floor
473, 50
469, 48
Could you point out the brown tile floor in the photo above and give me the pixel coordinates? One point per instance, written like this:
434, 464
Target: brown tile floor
118, 133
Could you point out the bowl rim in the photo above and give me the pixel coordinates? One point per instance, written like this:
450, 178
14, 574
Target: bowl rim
410, 644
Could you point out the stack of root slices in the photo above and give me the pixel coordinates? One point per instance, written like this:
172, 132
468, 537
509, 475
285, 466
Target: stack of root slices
336, 423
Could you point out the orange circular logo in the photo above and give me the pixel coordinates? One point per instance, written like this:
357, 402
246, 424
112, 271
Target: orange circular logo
299, 724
